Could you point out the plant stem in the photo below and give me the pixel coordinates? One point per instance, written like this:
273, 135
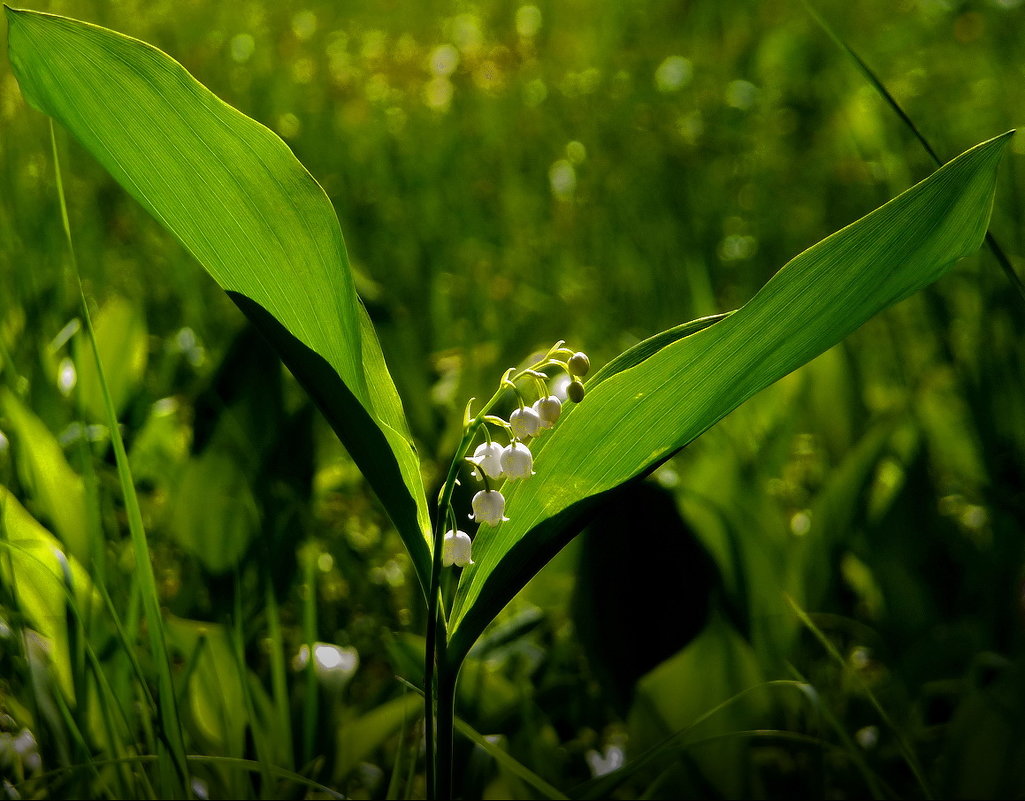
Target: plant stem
446, 721
429, 733
435, 614
438, 728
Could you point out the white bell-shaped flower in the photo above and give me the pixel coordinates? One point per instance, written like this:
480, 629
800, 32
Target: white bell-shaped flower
517, 461
455, 549
488, 507
548, 410
524, 422
488, 457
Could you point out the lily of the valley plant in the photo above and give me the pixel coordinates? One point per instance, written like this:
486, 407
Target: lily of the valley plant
238, 200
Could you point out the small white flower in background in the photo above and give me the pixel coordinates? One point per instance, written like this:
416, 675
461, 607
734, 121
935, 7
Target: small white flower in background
333, 665
602, 763
488, 457
524, 422
20, 748
456, 549
548, 410
67, 376
488, 507
517, 461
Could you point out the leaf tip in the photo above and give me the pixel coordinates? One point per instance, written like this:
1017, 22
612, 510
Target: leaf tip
14, 15
1002, 139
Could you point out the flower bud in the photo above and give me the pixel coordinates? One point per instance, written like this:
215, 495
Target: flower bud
488, 507
455, 549
517, 461
548, 409
488, 457
575, 391
524, 422
578, 364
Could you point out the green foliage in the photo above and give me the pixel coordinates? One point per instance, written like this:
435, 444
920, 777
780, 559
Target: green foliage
638, 417
507, 176
238, 200
42, 579
55, 487
121, 338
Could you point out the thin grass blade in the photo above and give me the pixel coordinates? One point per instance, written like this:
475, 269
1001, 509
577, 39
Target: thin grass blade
169, 718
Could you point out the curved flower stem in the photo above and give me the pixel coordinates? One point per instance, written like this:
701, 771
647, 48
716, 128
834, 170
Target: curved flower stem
439, 696
435, 617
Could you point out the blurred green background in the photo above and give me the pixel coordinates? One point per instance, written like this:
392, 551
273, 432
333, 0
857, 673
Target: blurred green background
508, 175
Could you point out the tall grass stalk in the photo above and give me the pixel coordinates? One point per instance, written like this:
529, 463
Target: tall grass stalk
891, 101
902, 741
174, 768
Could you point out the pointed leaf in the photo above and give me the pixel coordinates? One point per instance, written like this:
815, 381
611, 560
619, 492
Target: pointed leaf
234, 195
639, 416
40, 573
123, 343
56, 489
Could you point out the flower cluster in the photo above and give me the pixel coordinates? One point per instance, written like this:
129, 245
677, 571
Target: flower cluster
494, 462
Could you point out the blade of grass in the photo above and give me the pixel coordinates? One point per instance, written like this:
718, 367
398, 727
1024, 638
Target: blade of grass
309, 622
83, 790
507, 761
782, 735
238, 643
604, 786
77, 642
504, 758
905, 747
46, 779
187, 673
891, 101
418, 726
401, 755
278, 674
171, 733
75, 621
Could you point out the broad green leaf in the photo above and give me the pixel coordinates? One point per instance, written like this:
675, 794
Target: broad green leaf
216, 514
359, 738
493, 746
35, 566
723, 665
238, 200
214, 691
57, 491
123, 343
639, 416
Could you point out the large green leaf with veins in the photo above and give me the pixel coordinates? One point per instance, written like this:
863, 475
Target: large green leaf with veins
655, 399
238, 200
